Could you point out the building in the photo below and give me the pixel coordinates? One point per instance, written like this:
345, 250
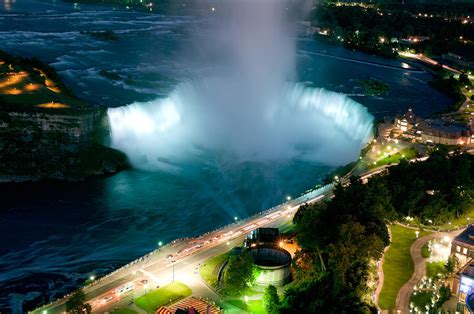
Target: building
440, 132
462, 284
273, 264
462, 246
262, 237
190, 305
430, 131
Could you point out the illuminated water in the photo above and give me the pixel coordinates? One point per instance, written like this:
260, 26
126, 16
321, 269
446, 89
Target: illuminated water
54, 235
299, 123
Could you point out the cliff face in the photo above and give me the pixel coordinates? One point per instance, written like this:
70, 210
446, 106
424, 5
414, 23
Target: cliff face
46, 132
50, 144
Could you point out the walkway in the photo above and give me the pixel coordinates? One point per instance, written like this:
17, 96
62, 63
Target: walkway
403, 297
381, 275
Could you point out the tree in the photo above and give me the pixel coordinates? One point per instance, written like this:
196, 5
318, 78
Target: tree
451, 265
444, 295
271, 300
75, 304
464, 79
240, 274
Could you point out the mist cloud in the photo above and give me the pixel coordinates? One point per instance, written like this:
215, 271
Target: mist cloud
246, 105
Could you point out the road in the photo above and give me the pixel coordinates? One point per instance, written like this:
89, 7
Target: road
181, 259
185, 255
427, 60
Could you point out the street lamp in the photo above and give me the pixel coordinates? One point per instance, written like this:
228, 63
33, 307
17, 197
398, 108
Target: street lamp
160, 243
92, 278
288, 198
236, 218
45, 312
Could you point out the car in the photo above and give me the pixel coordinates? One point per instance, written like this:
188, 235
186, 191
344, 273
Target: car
108, 298
144, 281
170, 256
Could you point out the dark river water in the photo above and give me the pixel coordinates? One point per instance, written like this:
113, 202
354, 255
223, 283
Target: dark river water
54, 235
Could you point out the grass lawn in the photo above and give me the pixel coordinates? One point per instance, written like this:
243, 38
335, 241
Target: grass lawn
407, 153
124, 311
397, 265
425, 252
209, 271
434, 268
421, 298
252, 306
161, 296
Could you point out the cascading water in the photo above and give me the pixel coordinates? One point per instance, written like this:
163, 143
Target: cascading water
245, 107
306, 123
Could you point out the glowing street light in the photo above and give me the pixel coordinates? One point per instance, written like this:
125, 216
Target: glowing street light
160, 243
92, 278
236, 218
417, 233
246, 298
45, 312
288, 198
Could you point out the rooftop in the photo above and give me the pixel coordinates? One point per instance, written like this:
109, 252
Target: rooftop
189, 305
466, 237
468, 271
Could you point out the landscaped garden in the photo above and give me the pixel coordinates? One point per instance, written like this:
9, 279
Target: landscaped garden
162, 296
397, 265
124, 311
251, 306
209, 271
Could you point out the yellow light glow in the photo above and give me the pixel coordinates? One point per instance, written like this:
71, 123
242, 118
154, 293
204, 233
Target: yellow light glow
13, 78
32, 87
13, 91
49, 83
53, 105
51, 86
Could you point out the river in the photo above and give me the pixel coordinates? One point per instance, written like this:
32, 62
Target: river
54, 235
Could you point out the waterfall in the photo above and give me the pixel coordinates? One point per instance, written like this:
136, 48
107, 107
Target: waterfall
299, 122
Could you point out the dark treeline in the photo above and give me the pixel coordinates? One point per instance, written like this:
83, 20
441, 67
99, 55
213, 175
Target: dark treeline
363, 27
340, 237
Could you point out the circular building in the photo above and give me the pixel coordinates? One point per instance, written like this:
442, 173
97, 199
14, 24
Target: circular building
274, 265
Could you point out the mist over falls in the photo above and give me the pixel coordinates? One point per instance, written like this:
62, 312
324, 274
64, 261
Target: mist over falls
248, 106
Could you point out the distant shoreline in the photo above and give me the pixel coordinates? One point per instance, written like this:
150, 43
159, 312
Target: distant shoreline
355, 60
